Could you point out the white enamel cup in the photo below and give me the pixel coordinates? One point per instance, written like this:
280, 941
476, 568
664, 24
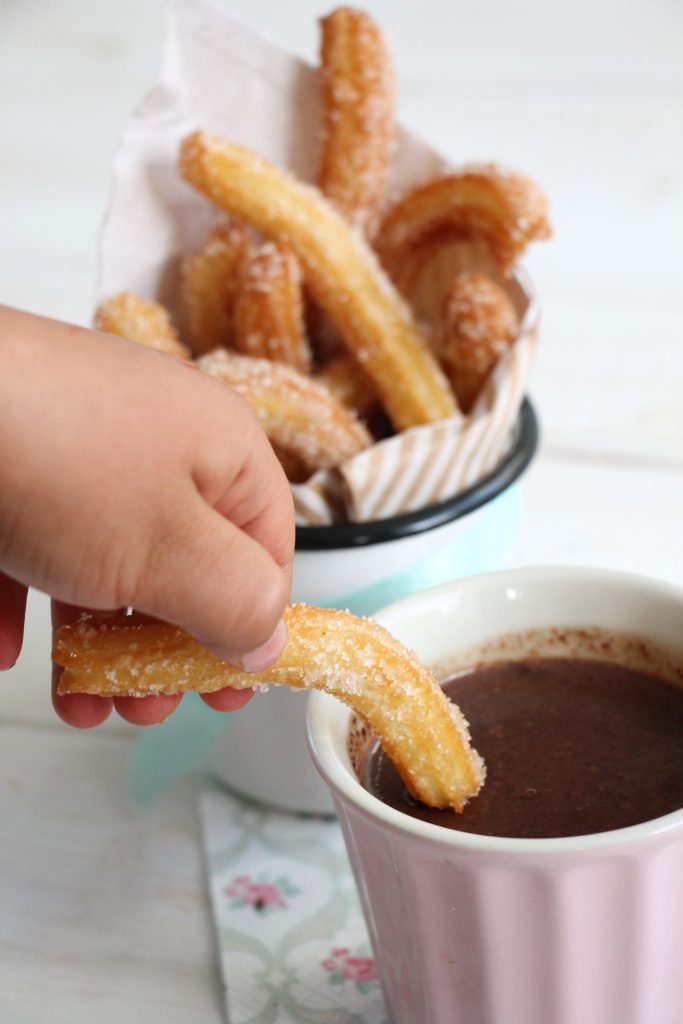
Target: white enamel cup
470, 929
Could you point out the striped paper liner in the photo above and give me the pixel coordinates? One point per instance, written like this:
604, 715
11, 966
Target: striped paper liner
320, 500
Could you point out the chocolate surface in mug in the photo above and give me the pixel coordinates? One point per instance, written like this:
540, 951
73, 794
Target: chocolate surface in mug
572, 747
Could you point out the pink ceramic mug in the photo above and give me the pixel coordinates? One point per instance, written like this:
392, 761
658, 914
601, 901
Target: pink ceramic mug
470, 929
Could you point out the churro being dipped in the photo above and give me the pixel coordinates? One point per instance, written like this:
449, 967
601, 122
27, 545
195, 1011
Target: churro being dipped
354, 659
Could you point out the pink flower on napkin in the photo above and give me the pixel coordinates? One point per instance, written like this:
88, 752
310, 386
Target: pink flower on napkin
261, 894
360, 970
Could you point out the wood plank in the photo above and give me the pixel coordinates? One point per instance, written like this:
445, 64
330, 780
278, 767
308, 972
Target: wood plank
104, 913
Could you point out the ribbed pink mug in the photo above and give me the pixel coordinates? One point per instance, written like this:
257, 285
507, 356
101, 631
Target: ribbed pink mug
470, 929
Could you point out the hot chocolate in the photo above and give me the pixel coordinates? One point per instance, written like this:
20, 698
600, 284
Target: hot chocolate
571, 746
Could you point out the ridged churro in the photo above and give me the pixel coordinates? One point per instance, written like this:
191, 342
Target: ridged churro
208, 284
505, 209
298, 414
354, 659
358, 115
480, 323
340, 270
268, 315
129, 316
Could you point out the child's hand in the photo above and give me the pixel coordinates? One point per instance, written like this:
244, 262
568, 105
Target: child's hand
130, 479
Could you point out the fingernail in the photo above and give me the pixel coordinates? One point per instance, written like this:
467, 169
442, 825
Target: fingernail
263, 656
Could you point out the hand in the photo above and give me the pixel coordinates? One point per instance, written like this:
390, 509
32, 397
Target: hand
128, 478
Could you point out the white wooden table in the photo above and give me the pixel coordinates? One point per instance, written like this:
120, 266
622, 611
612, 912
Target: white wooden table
103, 915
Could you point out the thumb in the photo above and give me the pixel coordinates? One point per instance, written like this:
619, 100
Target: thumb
219, 584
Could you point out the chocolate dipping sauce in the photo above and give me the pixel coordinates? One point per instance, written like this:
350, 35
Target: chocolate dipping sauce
571, 747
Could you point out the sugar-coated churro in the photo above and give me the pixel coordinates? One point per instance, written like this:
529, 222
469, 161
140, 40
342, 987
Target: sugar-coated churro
358, 115
354, 659
129, 316
268, 316
208, 284
480, 323
340, 270
505, 209
298, 414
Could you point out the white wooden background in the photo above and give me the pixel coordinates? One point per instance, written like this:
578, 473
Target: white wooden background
103, 915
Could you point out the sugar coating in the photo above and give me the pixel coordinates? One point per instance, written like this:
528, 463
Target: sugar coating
298, 413
479, 322
129, 316
268, 316
358, 135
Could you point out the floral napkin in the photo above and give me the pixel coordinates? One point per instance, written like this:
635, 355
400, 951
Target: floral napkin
291, 937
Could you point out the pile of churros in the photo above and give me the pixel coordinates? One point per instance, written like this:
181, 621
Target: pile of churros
301, 296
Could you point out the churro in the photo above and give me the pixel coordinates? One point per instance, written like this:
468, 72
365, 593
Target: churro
129, 316
298, 414
504, 209
268, 316
480, 323
349, 383
354, 659
208, 284
340, 270
358, 115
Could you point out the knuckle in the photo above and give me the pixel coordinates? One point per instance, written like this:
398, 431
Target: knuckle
122, 578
